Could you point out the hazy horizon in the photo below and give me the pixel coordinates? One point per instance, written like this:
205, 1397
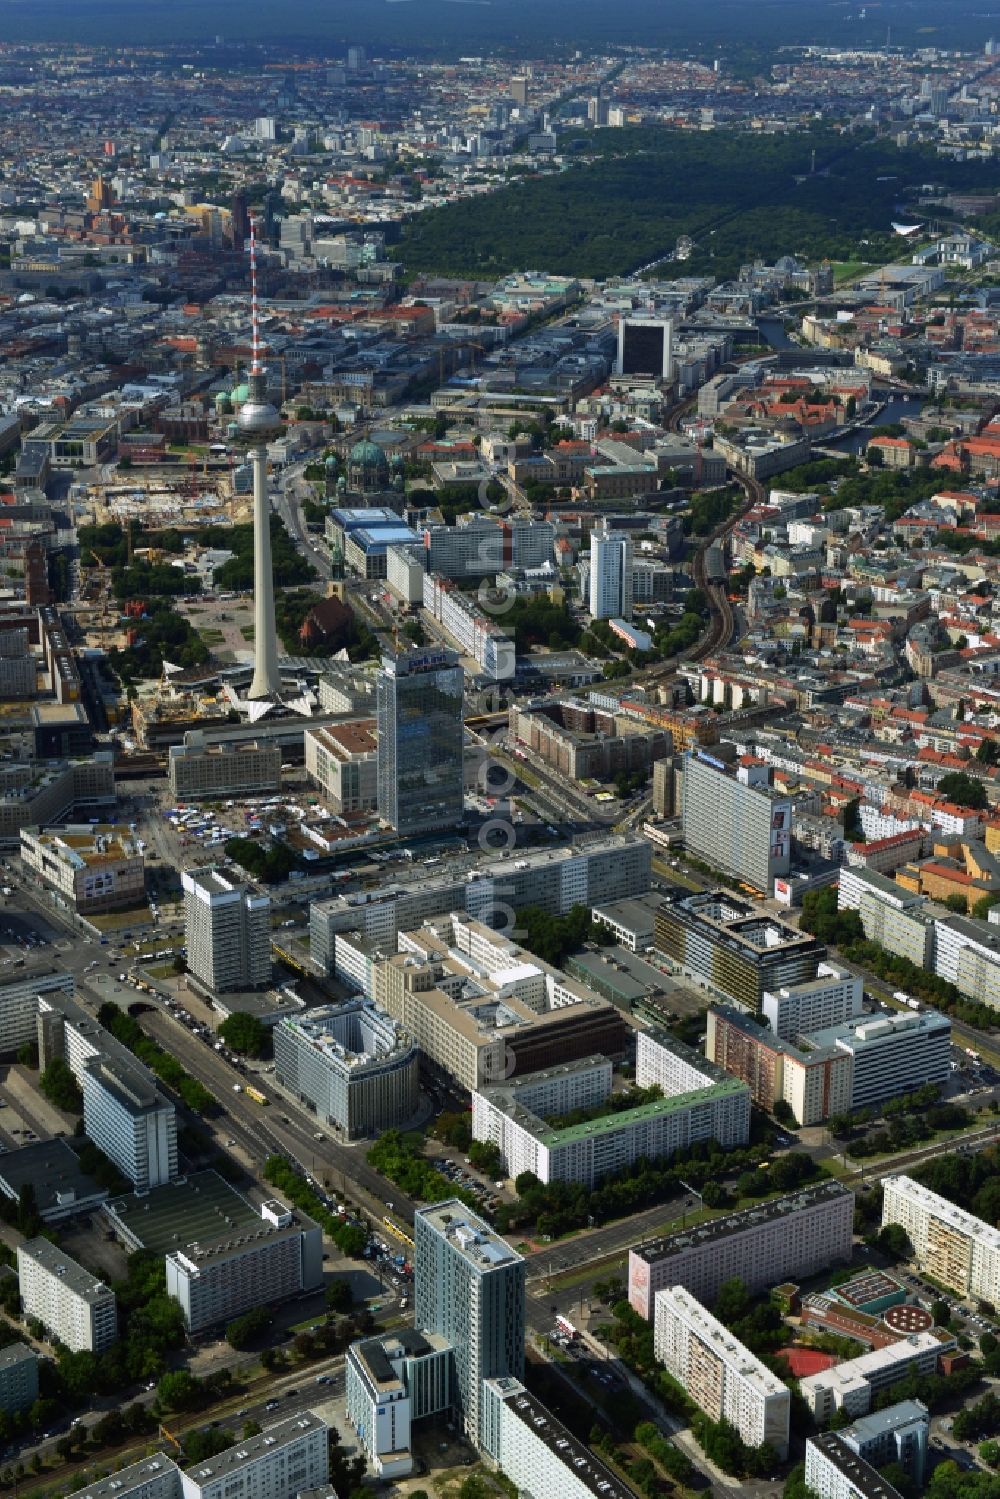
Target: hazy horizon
509, 25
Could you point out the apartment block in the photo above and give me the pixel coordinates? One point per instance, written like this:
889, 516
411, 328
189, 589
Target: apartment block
735, 821
967, 954
219, 1278
786, 1239
71, 1303
833, 996
341, 759
156, 1477
720, 1375
896, 919
227, 927
956, 1248
198, 769
604, 870
280, 1462
585, 742
537, 1452
127, 1117
852, 1386
474, 630
835, 1471
18, 1377
469, 1289
19, 991
815, 1082
94, 868
352, 1063
611, 1142
727, 944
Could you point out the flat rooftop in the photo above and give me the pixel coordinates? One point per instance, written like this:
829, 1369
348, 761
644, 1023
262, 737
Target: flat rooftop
197, 1209
948, 1212
251, 1448
654, 1250
469, 1234
147, 1470
57, 1262
863, 1478
578, 1459
53, 1168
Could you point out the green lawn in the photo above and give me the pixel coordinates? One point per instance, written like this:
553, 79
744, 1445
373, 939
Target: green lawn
846, 270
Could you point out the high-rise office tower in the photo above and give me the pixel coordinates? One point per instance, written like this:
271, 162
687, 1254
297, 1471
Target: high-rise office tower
357, 59
419, 699
258, 424
735, 820
610, 574
240, 218
227, 928
469, 1288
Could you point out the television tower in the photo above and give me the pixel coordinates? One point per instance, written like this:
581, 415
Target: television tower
259, 423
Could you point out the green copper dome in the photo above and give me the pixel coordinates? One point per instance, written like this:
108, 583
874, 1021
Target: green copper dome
366, 452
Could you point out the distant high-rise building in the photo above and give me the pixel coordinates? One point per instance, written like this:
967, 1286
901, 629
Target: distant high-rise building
736, 821
610, 574
357, 59
241, 219
100, 197
519, 91
265, 128
420, 741
227, 928
468, 1287
597, 110
645, 347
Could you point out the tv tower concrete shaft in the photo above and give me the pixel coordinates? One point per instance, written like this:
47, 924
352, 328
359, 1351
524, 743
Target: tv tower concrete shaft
258, 424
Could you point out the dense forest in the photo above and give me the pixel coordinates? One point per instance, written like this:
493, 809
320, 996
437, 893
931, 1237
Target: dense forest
739, 196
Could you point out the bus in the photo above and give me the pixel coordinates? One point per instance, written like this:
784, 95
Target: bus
257, 1096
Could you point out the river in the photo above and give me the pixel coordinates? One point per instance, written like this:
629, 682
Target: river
895, 409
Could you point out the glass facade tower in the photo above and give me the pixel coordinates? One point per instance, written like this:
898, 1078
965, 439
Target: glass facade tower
420, 739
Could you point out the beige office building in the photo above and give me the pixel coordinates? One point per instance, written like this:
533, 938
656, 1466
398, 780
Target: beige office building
198, 769
342, 760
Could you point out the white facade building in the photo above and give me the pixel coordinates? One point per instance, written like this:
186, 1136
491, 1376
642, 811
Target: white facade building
218, 1279
835, 1471
280, 1462
473, 629
893, 1054
958, 1249
227, 928
536, 1452
127, 1117
833, 996
19, 993
789, 1238
723, 1378
851, 1385
610, 574
155, 1477
71, 1303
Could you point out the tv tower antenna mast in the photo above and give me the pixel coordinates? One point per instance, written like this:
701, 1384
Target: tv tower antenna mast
259, 423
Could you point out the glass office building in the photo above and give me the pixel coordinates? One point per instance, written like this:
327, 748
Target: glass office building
420, 738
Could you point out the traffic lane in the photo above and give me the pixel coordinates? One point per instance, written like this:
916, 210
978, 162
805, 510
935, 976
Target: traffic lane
292, 1139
